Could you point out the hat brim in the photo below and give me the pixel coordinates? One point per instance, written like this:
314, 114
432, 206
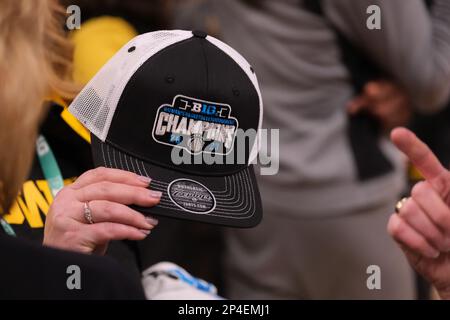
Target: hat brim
237, 201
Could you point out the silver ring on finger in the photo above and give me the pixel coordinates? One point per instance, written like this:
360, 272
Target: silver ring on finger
88, 213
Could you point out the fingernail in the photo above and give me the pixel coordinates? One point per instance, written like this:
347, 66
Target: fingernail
155, 194
146, 232
434, 254
144, 179
152, 221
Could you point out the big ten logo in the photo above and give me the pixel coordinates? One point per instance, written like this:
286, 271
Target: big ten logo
204, 108
195, 125
374, 20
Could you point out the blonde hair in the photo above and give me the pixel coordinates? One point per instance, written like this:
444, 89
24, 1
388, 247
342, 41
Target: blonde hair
35, 62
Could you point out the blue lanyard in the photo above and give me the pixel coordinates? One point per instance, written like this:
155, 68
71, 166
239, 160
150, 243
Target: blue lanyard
51, 172
7, 227
49, 165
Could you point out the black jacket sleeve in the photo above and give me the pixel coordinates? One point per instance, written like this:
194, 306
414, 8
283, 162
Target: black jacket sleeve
29, 271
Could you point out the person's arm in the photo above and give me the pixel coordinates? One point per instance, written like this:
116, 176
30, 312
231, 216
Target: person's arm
413, 46
35, 272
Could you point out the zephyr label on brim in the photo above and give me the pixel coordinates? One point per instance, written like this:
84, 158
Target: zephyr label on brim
191, 196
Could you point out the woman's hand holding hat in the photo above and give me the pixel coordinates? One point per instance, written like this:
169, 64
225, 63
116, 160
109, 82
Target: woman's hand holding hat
94, 210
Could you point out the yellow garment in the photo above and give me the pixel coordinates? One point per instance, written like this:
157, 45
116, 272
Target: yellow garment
96, 42
70, 119
76, 125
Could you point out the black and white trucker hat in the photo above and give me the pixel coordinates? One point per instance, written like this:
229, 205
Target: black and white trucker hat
166, 102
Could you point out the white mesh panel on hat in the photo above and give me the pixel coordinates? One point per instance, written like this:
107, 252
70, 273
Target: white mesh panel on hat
247, 68
96, 104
